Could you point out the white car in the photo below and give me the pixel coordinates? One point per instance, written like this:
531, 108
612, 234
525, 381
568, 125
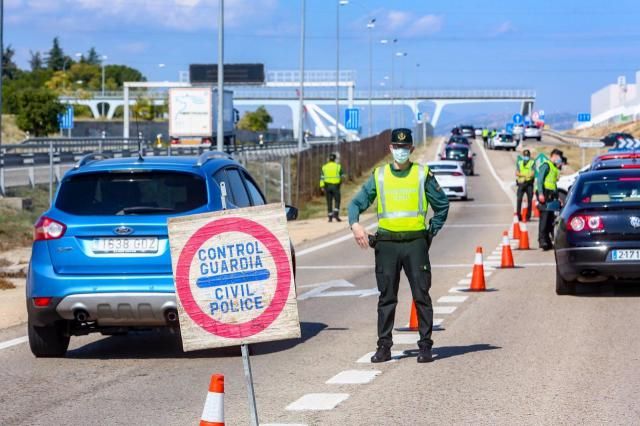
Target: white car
450, 177
478, 132
518, 129
503, 140
566, 182
532, 132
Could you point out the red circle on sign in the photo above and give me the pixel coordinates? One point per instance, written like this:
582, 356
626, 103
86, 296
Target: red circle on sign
283, 276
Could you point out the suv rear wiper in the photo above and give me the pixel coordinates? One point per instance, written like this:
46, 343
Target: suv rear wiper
144, 209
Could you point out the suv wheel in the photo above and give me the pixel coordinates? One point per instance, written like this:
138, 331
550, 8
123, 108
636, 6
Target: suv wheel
564, 287
49, 341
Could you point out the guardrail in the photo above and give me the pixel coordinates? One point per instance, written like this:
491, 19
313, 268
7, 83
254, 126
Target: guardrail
569, 139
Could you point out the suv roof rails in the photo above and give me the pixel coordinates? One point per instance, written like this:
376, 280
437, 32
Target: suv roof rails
211, 155
94, 156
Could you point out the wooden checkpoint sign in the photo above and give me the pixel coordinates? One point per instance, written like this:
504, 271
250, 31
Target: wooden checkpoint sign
233, 276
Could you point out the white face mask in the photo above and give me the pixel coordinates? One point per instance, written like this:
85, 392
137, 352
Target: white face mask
400, 155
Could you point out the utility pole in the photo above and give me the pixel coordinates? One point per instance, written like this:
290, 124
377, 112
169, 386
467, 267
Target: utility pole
301, 89
370, 26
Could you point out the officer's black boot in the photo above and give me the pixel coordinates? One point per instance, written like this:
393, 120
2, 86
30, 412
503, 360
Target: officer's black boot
424, 355
330, 217
383, 354
336, 217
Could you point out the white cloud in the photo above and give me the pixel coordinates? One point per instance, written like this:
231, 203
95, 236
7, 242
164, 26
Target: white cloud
504, 28
404, 23
186, 15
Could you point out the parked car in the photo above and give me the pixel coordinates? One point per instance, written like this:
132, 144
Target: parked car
459, 139
612, 138
565, 182
598, 234
518, 129
467, 131
615, 159
460, 153
503, 140
100, 258
450, 177
478, 131
532, 132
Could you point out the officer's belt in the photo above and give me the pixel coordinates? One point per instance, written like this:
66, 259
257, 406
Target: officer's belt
400, 236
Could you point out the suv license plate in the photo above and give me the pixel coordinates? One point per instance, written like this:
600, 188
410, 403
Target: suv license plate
125, 245
621, 255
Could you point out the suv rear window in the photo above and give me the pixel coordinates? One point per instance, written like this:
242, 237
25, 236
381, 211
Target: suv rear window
122, 193
623, 189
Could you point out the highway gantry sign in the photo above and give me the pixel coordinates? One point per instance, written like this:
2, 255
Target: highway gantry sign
352, 118
584, 117
233, 277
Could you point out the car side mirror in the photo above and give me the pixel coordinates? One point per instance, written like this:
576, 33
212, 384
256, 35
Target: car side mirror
292, 212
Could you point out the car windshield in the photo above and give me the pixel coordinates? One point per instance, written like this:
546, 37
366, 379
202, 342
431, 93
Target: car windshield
442, 167
506, 138
456, 153
129, 193
619, 190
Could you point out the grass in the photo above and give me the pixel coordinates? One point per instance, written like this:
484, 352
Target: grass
573, 154
10, 132
16, 227
6, 284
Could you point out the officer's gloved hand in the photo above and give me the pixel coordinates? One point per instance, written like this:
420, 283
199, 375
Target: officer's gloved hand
429, 239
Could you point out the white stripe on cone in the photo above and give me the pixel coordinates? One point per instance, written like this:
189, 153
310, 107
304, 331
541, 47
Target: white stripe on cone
213, 411
478, 260
523, 227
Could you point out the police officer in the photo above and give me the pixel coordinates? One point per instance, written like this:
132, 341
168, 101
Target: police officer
330, 180
404, 191
524, 177
485, 137
547, 192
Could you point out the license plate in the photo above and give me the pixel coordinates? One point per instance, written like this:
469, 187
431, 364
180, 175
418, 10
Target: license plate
125, 245
621, 255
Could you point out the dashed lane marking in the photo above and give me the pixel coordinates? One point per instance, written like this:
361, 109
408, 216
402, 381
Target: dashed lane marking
464, 281
476, 225
353, 377
366, 359
331, 242
452, 299
317, 402
444, 310
13, 342
459, 289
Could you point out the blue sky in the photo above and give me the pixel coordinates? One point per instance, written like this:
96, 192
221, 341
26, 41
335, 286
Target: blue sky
563, 49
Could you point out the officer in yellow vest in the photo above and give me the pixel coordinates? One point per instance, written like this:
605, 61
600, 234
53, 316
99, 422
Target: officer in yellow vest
404, 191
330, 180
547, 192
525, 175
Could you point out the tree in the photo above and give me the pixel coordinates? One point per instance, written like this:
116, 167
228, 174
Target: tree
9, 68
256, 121
35, 62
121, 73
38, 111
92, 57
143, 109
56, 57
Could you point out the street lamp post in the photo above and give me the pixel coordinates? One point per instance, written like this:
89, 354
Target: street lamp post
301, 89
338, 4
393, 107
220, 127
392, 44
370, 26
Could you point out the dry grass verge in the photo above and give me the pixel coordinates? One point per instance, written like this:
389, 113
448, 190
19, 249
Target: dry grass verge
5, 284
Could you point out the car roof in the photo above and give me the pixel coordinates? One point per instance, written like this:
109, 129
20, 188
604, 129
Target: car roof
456, 145
186, 163
443, 163
614, 173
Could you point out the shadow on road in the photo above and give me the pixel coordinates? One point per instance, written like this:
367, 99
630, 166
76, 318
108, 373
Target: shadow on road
444, 352
163, 344
609, 289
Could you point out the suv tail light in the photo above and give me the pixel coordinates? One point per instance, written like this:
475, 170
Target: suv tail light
580, 222
48, 229
457, 174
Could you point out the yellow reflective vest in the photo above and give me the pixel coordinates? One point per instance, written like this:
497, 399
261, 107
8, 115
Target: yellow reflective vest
331, 173
551, 180
402, 202
526, 171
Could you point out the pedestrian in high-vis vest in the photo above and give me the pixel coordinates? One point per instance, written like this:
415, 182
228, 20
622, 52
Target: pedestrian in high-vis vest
547, 192
525, 175
404, 191
330, 180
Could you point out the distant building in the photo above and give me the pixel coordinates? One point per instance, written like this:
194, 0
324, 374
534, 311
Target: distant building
615, 103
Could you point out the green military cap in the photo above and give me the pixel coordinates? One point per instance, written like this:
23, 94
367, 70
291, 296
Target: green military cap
401, 136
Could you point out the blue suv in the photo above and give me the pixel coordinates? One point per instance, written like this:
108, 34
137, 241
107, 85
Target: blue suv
100, 258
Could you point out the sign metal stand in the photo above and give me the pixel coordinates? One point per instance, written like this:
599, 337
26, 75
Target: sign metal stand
253, 409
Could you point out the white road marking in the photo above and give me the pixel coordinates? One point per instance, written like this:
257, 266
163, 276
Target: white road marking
13, 342
366, 359
311, 267
452, 299
331, 242
464, 281
353, 377
503, 185
283, 424
444, 310
324, 286
317, 401
487, 265
482, 205
458, 289
476, 225
406, 339
437, 322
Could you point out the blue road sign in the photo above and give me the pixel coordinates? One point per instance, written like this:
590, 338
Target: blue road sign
527, 122
584, 117
352, 118
419, 116
65, 120
509, 127
517, 118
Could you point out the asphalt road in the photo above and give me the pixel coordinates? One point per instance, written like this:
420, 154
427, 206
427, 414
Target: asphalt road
518, 354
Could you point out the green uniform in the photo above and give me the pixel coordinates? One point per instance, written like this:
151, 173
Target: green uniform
547, 184
406, 245
525, 187
330, 180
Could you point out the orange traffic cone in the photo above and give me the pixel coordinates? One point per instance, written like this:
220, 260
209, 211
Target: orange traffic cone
507, 255
477, 277
524, 237
413, 319
536, 211
515, 230
524, 211
213, 412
